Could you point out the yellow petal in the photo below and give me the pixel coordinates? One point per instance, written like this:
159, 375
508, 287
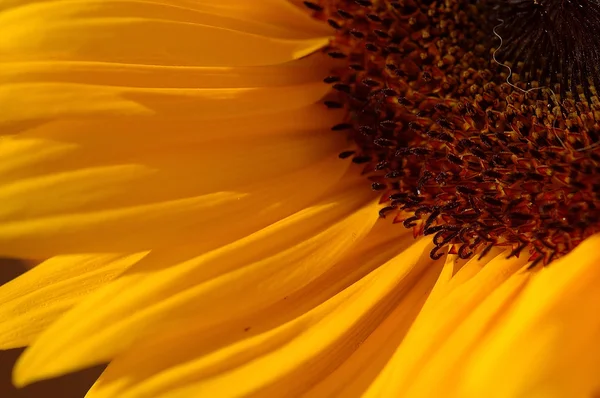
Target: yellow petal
445, 364
57, 193
56, 51
78, 30
383, 243
355, 375
148, 133
444, 311
46, 101
152, 174
268, 17
283, 361
292, 139
307, 70
215, 217
280, 13
34, 300
102, 189
253, 267
24, 157
547, 345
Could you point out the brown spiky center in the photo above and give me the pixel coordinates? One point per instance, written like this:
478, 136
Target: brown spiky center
471, 136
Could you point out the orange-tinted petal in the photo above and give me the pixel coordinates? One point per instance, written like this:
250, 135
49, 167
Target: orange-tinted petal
283, 361
34, 300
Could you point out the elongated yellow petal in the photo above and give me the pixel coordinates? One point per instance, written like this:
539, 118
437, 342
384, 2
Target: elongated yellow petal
68, 30
24, 157
156, 174
115, 161
356, 374
547, 345
78, 100
182, 147
276, 18
291, 357
280, 13
56, 193
149, 133
170, 223
75, 68
443, 363
536, 330
441, 315
382, 244
37, 298
307, 70
258, 274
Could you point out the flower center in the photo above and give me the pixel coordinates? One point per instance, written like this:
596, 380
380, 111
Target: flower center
477, 120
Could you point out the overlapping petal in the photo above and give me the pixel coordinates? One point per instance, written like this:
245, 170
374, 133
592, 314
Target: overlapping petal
35, 300
188, 129
146, 32
236, 279
123, 155
289, 356
502, 331
546, 344
124, 144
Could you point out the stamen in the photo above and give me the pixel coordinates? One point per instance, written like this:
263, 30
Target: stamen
472, 137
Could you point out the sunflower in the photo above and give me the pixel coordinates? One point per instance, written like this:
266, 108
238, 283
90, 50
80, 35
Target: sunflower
173, 168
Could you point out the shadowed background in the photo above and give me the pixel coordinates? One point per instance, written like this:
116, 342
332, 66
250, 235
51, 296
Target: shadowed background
70, 386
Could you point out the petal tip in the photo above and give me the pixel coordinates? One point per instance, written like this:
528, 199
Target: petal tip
31, 368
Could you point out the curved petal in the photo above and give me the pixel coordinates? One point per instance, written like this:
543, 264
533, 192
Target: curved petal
268, 17
285, 360
81, 191
290, 139
547, 344
168, 223
306, 70
142, 32
536, 332
215, 281
79, 100
439, 324
157, 174
34, 300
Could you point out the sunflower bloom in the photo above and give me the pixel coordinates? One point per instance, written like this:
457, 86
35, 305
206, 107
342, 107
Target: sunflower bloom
170, 166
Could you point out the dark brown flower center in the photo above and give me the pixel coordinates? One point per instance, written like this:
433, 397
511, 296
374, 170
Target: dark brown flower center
477, 120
